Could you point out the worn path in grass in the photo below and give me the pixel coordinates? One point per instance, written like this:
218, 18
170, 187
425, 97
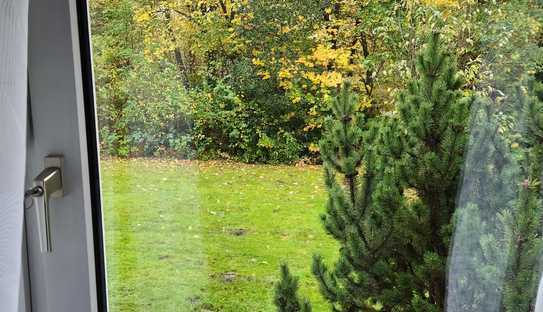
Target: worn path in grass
209, 236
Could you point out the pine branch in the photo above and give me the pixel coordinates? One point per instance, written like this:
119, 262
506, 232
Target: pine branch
286, 294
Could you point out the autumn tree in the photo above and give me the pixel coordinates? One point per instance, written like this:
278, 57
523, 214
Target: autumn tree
283, 58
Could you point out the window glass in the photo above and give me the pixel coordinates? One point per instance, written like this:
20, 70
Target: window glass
340, 155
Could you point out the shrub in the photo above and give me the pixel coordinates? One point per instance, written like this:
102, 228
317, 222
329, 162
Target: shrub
226, 125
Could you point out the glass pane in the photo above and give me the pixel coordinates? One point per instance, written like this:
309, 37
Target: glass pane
339, 155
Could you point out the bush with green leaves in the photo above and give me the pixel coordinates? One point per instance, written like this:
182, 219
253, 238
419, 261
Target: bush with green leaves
228, 125
140, 103
153, 120
156, 115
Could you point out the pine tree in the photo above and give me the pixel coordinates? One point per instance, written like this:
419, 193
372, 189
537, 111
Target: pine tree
495, 263
476, 264
362, 225
433, 117
523, 226
286, 297
392, 184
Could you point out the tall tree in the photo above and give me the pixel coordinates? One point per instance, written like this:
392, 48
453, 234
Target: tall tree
434, 116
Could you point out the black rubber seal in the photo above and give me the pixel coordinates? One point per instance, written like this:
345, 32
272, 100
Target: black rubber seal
92, 149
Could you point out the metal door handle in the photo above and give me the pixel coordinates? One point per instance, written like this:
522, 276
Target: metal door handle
47, 185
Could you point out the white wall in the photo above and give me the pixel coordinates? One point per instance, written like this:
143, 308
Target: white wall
13, 91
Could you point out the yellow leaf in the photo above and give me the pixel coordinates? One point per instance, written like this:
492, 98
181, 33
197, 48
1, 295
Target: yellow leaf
284, 73
142, 16
331, 79
364, 103
258, 62
296, 99
265, 75
314, 148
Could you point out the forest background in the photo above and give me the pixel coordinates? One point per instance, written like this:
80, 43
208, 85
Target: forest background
251, 80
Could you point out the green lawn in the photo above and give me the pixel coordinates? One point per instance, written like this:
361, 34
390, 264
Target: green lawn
209, 236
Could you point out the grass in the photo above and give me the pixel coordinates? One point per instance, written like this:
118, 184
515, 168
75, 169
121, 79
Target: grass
209, 236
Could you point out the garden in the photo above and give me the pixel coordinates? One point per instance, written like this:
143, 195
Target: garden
197, 236
336, 155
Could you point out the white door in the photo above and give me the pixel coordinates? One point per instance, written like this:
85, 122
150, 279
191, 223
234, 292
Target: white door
61, 123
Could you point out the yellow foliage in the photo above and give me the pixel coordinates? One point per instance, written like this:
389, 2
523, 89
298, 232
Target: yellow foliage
324, 56
258, 62
287, 84
285, 74
343, 60
309, 127
141, 16
364, 103
324, 67
327, 79
296, 99
265, 75
314, 148
285, 81
441, 3
305, 62
411, 195
331, 79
